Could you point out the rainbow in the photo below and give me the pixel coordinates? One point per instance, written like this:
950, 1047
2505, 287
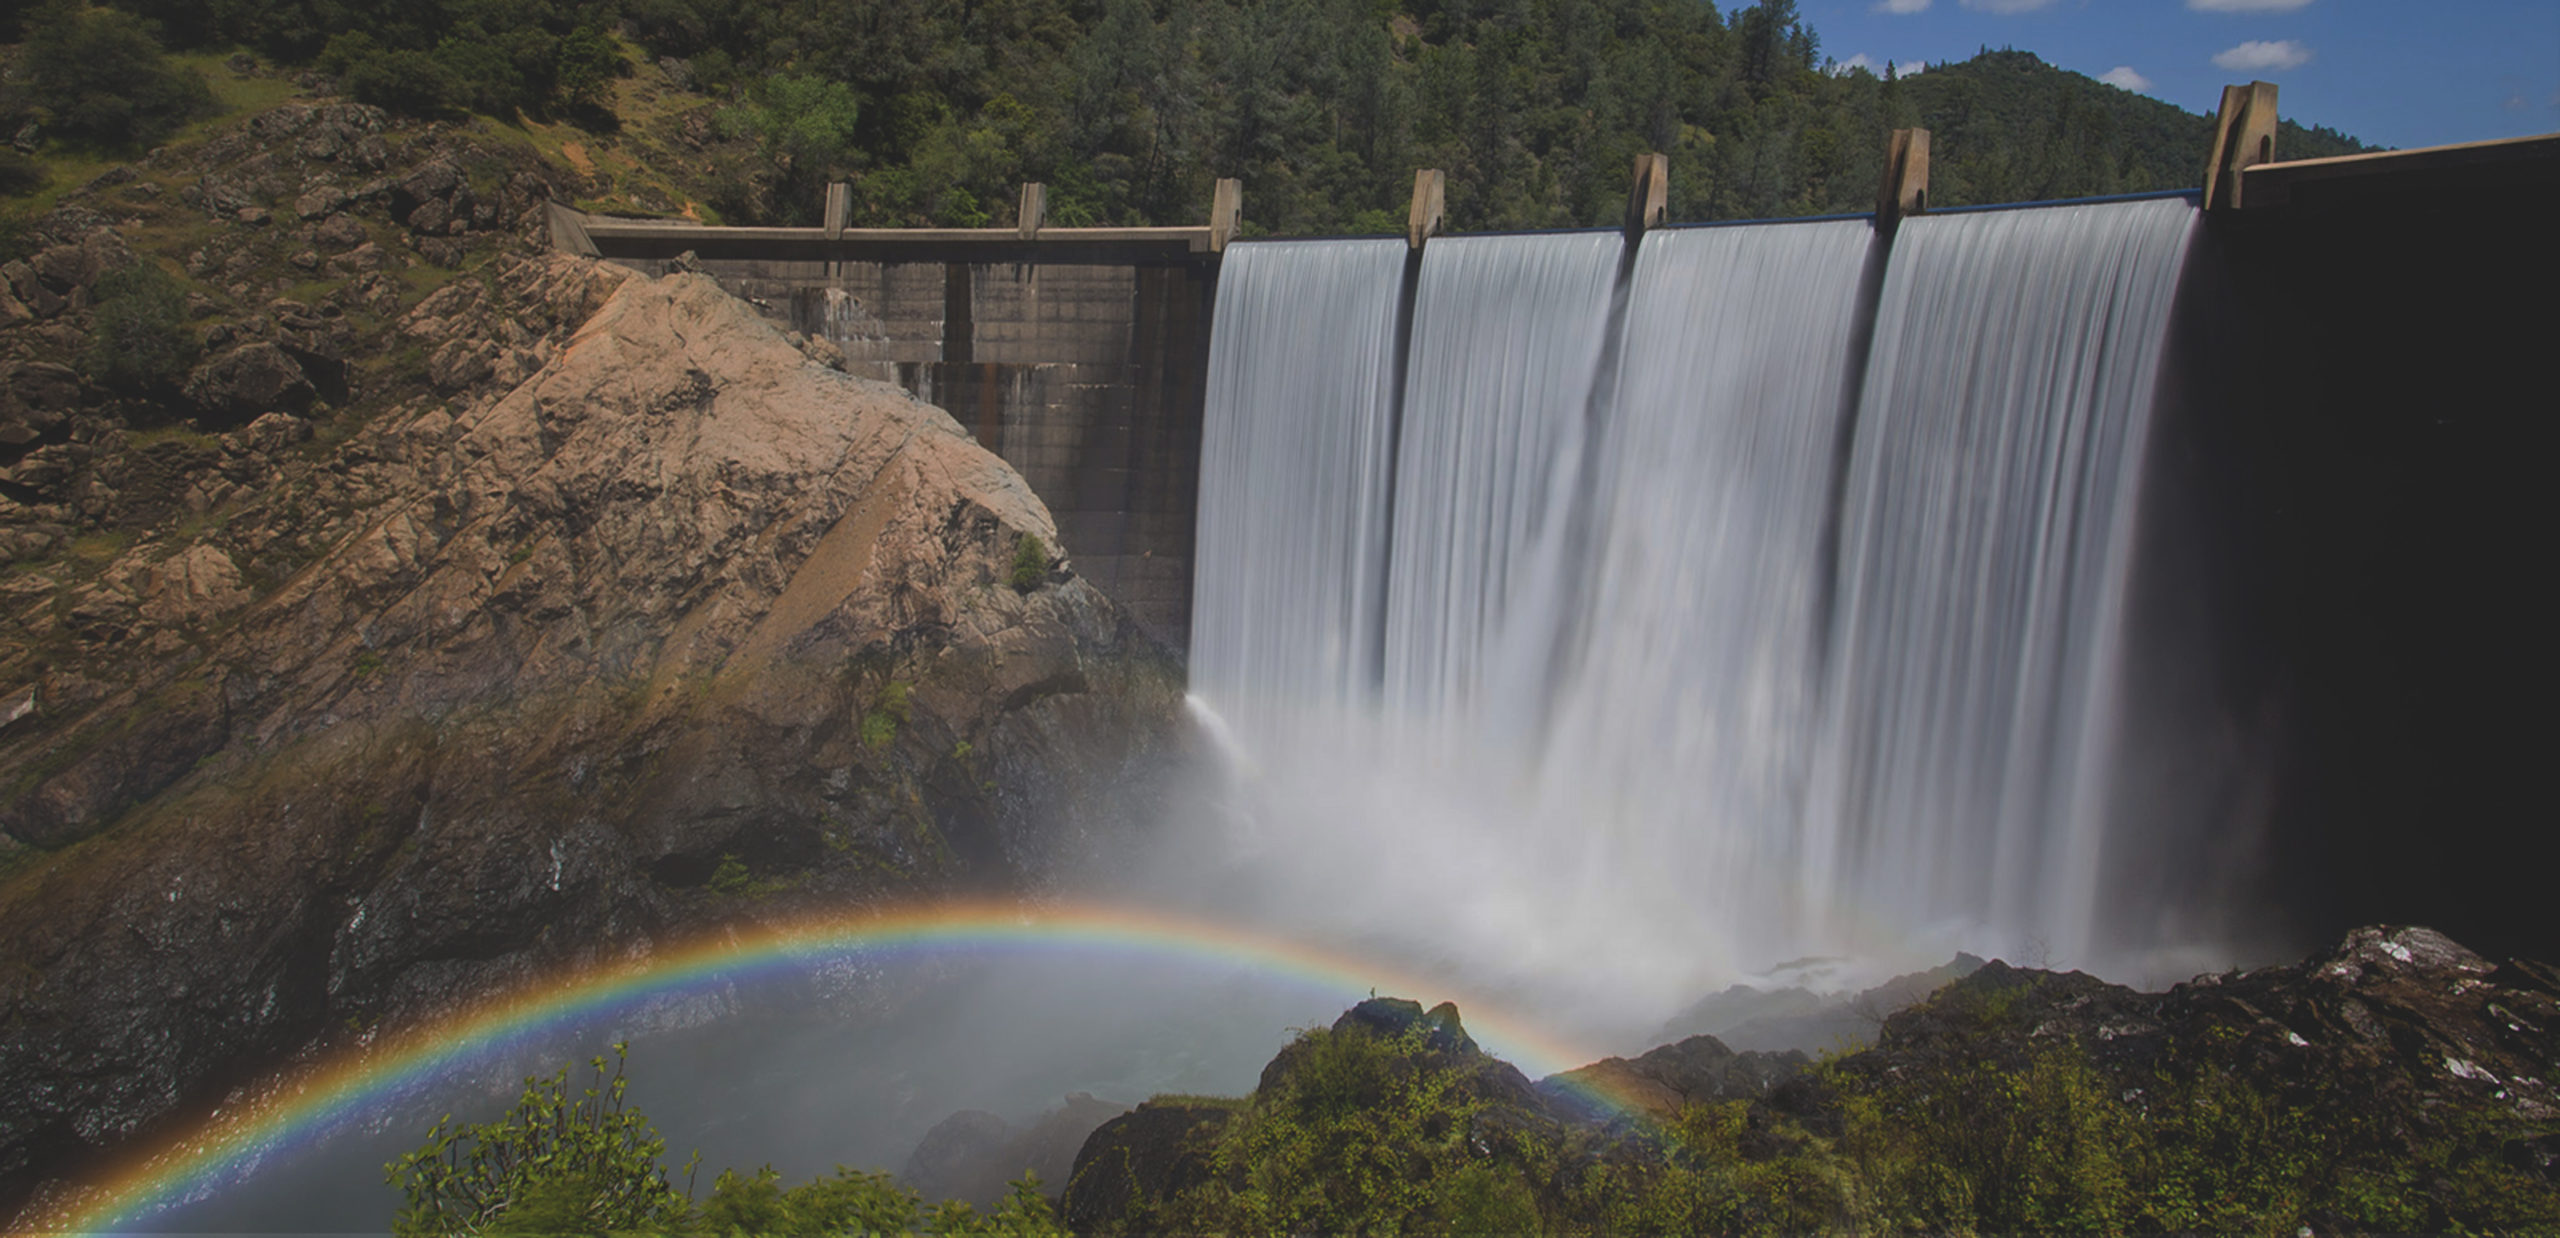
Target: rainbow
298, 1106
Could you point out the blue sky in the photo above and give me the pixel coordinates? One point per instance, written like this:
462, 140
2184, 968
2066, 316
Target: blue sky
2393, 72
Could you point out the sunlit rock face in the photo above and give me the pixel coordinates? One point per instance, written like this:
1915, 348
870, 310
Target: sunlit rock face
658, 623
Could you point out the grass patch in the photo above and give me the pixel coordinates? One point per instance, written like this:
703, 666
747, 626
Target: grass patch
731, 878
101, 548
184, 436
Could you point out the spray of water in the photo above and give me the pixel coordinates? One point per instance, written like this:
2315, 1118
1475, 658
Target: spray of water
1670, 688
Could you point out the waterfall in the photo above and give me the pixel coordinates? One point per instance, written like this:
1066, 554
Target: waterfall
1294, 470
1684, 719
1984, 549
1507, 336
1708, 639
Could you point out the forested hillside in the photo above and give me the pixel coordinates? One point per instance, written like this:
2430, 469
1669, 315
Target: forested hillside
1127, 109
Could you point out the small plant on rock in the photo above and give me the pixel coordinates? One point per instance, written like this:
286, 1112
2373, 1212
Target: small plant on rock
1030, 563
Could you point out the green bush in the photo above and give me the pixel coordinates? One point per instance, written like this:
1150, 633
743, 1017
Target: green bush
731, 876
1365, 1134
881, 722
1030, 563
96, 77
407, 81
582, 1161
588, 62
560, 1161
138, 338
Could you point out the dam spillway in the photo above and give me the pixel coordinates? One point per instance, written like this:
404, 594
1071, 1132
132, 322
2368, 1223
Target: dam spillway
1743, 616
2327, 609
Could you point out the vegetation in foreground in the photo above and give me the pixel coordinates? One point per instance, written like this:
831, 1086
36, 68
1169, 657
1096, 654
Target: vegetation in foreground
2011, 1101
579, 1160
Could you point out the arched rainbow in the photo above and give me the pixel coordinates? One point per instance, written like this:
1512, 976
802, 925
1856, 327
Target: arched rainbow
320, 1098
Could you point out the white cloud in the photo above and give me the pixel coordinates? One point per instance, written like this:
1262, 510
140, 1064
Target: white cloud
2247, 6
1901, 68
1902, 6
2264, 56
2123, 77
2006, 6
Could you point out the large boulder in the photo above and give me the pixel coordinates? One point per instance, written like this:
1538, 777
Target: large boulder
252, 379
1146, 1156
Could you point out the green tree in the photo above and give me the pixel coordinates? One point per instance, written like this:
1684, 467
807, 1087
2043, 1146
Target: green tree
805, 127
401, 80
588, 62
97, 77
563, 1160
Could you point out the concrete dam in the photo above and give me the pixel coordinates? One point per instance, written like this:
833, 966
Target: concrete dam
2321, 599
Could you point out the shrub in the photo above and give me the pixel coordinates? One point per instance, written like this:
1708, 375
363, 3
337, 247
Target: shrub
405, 81
1030, 564
1365, 1133
97, 77
731, 877
586, 1163
588, 62
880, 724
138, 337
560, 1161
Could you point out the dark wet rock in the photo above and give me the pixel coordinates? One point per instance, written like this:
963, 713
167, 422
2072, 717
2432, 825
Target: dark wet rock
1148, 1155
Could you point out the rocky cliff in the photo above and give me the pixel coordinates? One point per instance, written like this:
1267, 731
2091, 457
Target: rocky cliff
599, 611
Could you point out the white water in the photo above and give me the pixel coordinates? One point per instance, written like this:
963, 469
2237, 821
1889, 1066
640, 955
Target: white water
1666, 696
1507, 337
1301, 385
1689, 701
1985, 546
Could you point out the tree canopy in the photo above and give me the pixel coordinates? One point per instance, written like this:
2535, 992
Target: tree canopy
936, 110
